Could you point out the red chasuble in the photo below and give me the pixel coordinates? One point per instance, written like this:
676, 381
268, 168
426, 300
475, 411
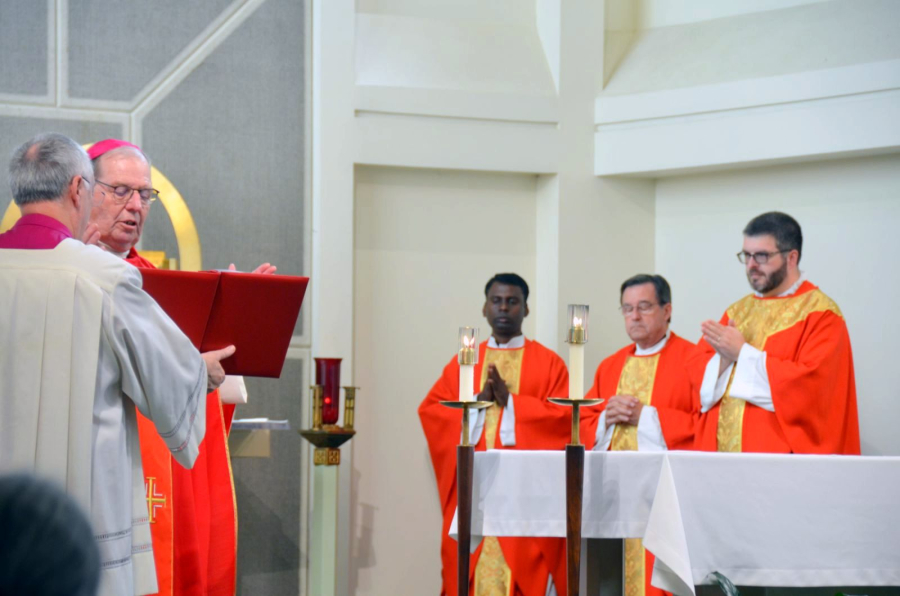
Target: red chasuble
539, 425
671, 390
810, 369
193, 515
660, 380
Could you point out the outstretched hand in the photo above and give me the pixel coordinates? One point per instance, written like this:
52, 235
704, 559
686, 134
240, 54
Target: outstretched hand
215, 374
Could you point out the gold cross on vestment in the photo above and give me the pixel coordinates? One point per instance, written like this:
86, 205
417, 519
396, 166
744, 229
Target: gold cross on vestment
154, 499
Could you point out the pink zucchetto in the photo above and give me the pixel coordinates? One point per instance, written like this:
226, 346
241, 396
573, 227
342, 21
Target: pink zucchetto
105, 146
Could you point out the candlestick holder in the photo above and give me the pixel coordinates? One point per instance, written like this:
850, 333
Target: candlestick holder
327, 438
576, 405
576, 337
465, 466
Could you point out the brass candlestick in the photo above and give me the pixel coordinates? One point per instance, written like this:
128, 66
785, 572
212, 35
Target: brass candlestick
349, 407
467, 357
576, 338
465, 467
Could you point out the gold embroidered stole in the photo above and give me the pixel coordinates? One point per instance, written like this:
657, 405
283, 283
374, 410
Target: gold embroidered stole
758, 320
493, 577
637, 378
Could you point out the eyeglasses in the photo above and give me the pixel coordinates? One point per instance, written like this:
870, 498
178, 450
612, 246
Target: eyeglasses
761, 258
645, 308
123, 193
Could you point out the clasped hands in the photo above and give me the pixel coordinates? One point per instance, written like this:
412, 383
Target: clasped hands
623, 409
495, 388
726, 340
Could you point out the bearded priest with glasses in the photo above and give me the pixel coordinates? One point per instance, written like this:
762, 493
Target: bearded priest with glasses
777, 369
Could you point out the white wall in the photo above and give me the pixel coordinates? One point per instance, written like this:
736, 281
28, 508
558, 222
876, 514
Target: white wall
426, 243
850, 214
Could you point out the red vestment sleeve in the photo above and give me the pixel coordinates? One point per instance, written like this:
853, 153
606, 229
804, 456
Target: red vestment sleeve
814, 389
673, 394
541, 425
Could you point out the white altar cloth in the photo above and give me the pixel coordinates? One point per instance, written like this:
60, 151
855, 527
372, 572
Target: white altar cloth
759, 519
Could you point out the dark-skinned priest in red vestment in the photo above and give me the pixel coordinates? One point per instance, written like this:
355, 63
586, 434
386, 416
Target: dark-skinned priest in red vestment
777, 368
193, 512
518, 375
649, 403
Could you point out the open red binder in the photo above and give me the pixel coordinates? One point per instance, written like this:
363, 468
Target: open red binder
215, 309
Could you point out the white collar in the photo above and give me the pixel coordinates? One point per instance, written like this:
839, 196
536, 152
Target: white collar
513, 344
658, 346
791, 289
105, 247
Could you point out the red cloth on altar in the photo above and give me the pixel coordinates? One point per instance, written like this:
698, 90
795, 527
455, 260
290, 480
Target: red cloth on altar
195, 532
810, 369
539, 425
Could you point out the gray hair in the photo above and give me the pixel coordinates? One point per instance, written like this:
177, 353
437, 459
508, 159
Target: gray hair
41, 169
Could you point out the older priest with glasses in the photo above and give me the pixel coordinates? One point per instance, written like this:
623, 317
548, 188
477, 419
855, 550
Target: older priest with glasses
192, 512
650, 405
777, 369
84, 348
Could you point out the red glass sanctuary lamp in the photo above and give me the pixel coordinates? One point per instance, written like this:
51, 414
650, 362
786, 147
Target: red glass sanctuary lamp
328, 375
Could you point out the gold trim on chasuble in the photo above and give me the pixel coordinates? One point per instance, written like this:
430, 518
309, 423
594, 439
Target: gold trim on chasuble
637, 378
758, 320
493, 577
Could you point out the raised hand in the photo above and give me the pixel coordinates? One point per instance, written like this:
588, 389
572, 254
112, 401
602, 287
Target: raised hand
91, 234
727, 340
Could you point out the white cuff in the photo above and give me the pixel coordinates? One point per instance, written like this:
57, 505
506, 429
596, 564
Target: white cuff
508, 424
713, 387
751, 380
233, 390
604, 435
649, 430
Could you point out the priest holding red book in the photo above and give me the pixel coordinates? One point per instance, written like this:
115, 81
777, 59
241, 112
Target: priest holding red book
192, 512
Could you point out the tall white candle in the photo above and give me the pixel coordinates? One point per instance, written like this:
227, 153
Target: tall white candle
466, 382
576, 371
467, 359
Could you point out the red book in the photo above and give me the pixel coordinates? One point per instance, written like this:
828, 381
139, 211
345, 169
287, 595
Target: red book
255, 313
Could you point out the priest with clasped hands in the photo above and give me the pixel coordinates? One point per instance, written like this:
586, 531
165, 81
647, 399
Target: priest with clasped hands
518, 375
649, 398
777, 368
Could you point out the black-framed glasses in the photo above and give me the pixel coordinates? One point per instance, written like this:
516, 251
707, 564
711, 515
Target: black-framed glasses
645, 308
761, 258
123, 193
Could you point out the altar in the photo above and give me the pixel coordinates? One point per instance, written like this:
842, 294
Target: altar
758, 519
